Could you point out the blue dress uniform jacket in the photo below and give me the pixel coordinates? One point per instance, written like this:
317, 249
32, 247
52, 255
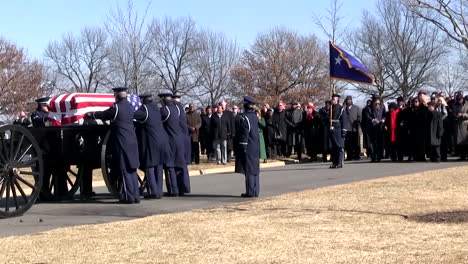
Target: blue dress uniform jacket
178, 181
125, 159
185, 130
152, 137
170, 119
39, 118
249, 152
153, 146
337, 133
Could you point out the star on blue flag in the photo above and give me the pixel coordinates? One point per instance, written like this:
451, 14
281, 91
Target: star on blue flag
345, 67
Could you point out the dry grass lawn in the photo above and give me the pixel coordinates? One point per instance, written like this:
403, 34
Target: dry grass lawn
376, 221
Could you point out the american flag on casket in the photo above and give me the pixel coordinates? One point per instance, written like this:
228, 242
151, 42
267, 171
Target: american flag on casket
71, 108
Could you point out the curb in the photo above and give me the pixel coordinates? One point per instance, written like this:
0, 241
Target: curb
224, 169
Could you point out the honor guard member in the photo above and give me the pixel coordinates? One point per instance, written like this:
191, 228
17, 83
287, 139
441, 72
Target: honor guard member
39, 117
176, 160
184, 180
124, 144
248, 159
153, 145
337, 133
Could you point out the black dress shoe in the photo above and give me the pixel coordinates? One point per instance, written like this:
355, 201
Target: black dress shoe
152, 196
170, 194
332, 167
245, 195
125, 202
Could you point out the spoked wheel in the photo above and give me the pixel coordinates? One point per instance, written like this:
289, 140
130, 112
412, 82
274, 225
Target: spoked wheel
112, 181
21, 170
142, 182
63, 182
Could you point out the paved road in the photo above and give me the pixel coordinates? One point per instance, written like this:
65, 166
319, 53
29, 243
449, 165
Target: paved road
208, 191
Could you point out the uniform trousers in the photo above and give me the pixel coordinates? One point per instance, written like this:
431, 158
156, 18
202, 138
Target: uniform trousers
154, 180
130, 186
252, 184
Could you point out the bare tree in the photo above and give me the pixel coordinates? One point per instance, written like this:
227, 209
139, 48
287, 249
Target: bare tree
402, 50
374, 51
20, 79
129, 49
215, 58
281, 65
173, 53
332, 25
450, 16
79, 60
451, 78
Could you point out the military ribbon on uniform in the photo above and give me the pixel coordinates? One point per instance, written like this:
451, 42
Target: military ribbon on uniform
345, 67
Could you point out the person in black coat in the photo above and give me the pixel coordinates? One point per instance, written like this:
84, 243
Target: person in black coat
415, 121
205, 132
337, 133
375, 119
220, 129
352, 142
436, 130
230, 116
248, 160
124, 145
324, 140
153, 145
281, 129
311, 129
176, 162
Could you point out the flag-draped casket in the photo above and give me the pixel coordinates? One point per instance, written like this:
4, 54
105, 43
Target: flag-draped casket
71, 108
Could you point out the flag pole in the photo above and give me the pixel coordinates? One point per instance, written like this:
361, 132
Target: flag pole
331, 102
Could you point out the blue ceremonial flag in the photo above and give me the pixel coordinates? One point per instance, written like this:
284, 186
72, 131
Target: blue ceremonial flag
134, 101
345, 67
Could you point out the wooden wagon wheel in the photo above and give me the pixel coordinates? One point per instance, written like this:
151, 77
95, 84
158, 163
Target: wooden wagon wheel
21, 170
113, 181
62, 183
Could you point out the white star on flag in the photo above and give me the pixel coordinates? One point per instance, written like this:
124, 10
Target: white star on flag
338, 60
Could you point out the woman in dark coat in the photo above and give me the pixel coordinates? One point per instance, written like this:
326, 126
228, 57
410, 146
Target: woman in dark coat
374, 119
324, 141
269, 134
416, 122
311, 129
281, 129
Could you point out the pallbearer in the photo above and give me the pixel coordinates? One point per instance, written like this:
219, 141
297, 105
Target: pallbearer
248, 158
39, 117
153, 145
184, 179
175, 164
337, 133
124, 144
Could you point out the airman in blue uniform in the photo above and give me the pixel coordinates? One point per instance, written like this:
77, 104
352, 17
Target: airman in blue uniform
184, 179
248, 154
176, 162
39, 117
153, 145
125, 158
337, 133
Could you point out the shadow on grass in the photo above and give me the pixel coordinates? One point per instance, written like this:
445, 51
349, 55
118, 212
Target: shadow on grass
452, 217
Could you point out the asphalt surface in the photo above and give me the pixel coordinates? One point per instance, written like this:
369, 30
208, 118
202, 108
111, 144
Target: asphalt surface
207, 191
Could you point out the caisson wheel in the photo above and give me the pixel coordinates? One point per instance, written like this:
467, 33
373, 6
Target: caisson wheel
21, 170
